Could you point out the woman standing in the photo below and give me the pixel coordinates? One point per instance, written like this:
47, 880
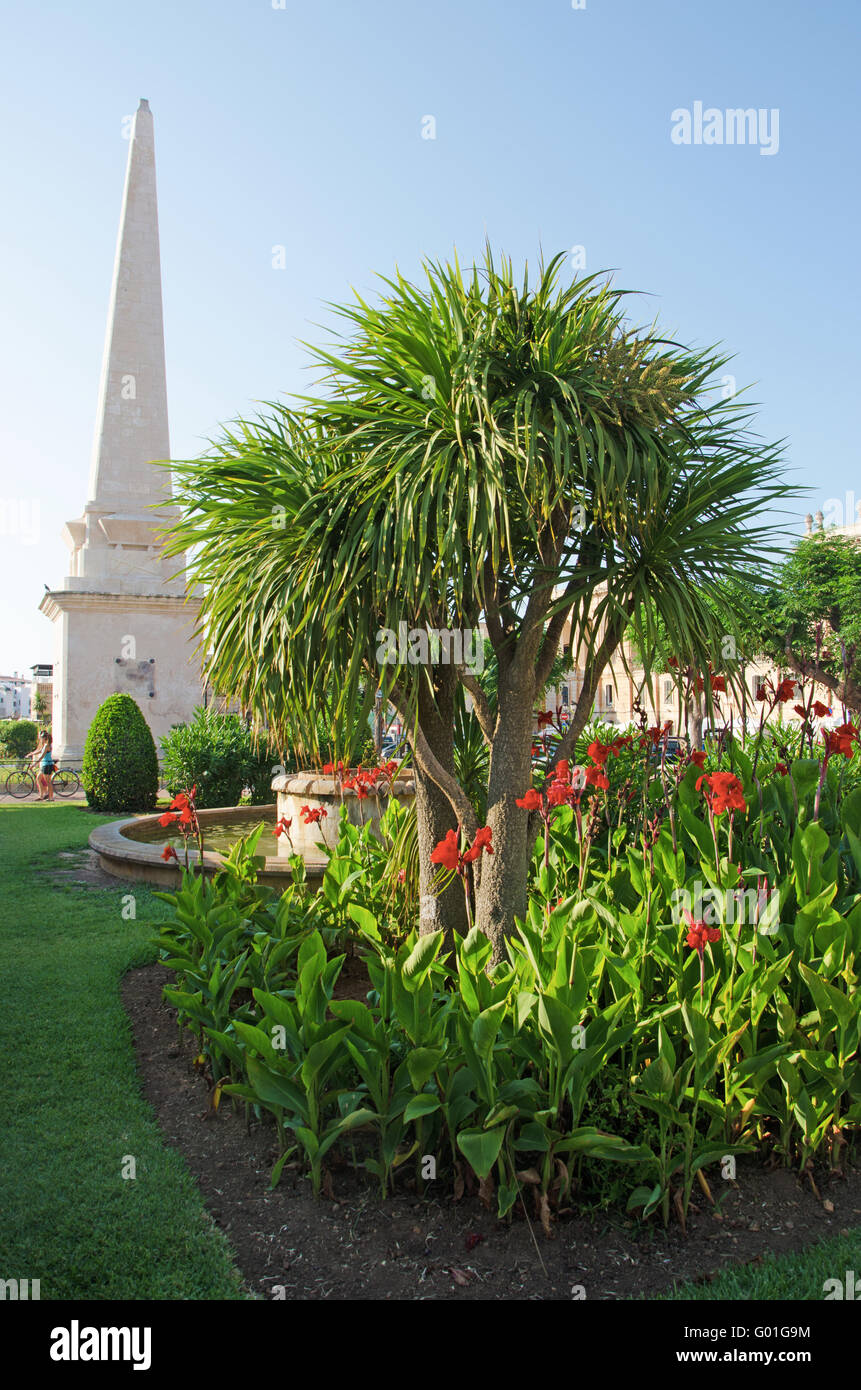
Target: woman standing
43, 755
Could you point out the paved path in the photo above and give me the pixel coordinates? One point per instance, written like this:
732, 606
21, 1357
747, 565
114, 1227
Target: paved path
78, 799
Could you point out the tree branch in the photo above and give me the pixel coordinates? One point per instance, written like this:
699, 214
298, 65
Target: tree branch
613, 633
431, 766
848, 692
532, 626
553, 636
480, 702
492, 614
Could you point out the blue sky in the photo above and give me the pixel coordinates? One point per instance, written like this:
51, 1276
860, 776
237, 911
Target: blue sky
302, 126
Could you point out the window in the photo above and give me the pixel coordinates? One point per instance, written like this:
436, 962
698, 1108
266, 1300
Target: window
608, 695
563, 696
668, 692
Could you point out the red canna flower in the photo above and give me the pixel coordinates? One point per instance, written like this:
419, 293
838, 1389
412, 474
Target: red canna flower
481, 842
283, 827
560, 794
673, 661
839, 743
698, 757
782, 769
597, 777
799, 709
531, 801
545, 717
718, 685
820, 710
313, 817
785, 691
168, 853
599, 752
657, 733
723, 792
167, 819
446, 852
699, 934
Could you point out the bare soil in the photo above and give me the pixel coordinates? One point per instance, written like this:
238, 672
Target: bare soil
81, 867
352, 1245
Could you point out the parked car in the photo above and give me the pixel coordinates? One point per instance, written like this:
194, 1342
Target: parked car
396, 749
675, 750
544, 746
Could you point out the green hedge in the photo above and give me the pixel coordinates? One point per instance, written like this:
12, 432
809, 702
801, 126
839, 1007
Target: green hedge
120, 768
18, 737
219, 756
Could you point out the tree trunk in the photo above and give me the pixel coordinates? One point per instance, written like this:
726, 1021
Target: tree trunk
444, 910
502, 891
696, 720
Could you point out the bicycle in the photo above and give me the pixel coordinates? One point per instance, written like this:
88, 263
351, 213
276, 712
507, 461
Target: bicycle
65, 782
21, 783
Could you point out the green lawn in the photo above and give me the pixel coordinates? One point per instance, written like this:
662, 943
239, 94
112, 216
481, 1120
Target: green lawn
72, 1101
798, 1276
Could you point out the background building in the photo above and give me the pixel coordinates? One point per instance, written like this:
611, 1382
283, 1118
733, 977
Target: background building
14, 697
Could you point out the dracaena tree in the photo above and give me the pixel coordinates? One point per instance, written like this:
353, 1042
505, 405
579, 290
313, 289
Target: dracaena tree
480, 452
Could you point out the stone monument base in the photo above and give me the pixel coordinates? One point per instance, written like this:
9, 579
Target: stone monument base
108, 643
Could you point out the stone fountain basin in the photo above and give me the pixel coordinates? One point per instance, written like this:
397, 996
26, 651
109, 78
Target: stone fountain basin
297, 789
124, 851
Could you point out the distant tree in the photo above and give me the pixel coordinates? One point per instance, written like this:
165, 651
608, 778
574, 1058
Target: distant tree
808, 619
17, 737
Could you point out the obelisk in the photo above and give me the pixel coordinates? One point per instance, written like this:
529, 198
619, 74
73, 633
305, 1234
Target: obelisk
123, 620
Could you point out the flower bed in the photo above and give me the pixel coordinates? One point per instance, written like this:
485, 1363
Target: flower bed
682, 990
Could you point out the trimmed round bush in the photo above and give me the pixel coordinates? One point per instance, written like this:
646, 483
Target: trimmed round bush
120, 768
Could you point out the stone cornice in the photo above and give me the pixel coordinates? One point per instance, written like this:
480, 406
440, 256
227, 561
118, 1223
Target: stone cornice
57, 601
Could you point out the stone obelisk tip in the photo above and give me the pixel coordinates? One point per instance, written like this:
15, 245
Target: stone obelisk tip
132, 426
